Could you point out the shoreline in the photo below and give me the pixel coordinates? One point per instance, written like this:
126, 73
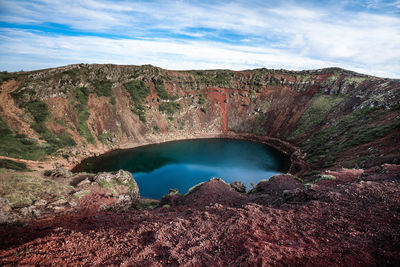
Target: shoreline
297, 165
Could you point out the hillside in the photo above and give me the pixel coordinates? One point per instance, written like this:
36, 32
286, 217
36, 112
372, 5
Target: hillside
336, 117
337, 205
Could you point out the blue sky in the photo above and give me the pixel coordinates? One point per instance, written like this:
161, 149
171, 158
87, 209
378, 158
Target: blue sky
363, 36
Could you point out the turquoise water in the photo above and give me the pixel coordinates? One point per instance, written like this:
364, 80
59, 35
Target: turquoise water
182, 164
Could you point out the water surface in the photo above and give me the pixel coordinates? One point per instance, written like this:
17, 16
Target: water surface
182, 164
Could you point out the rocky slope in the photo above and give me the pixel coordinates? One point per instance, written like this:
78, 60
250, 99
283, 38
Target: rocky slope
336, 117
351, 221
340, 128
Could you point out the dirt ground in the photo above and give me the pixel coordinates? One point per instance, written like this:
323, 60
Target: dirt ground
353, 220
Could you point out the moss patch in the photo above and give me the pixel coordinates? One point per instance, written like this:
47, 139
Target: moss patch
23, 190
81, 193
147, 204
325, 177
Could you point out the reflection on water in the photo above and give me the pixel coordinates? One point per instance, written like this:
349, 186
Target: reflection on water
180, 165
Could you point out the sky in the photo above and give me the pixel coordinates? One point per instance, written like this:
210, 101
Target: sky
362, 36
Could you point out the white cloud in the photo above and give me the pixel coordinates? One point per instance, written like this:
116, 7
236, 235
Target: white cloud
235, 35
44, 51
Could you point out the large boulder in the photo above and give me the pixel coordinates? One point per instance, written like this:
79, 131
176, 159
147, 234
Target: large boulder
277, 184
59, 172
207, 193
238, 186
121, 185
5, 211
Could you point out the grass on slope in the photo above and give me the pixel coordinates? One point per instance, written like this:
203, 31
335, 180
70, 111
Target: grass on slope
103, 88
319, 108
17, 145
82, 95
161, 92
138, 91
169, 107
354, 129
12, 165
23, 189
40, 113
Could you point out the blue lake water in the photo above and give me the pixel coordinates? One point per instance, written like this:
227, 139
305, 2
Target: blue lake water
183, 164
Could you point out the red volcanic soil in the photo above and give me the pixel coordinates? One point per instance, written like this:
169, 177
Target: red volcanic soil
351, 221
218, 97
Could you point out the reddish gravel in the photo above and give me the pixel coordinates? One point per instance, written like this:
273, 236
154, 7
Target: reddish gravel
353, 221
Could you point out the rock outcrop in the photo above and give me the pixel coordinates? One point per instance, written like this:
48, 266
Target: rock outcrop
63, 192
121, 186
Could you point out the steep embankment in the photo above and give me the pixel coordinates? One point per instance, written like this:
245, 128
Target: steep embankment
336, 118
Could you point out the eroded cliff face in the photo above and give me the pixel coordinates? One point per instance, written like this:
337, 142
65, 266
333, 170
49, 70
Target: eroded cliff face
335, 117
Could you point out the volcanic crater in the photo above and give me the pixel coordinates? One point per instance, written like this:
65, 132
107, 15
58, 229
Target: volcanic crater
338, 204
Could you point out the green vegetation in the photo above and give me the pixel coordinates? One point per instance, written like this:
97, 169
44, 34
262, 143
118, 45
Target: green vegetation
156, 129
325, 177
82, 95
40, 113
352, 130
161, 92
5, 76
105, 137
319, 108
21, 97
112, 100
103, 88
12, 165
169, 107
116, 186
23, 190
144, 203
181, 125
261, 78
82, 193
213, 77
72, 73
193, 188
258, 124
17, 145
138, 91
61, 122
201, 100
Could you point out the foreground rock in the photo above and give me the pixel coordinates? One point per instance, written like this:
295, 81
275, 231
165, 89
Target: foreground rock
353, 220
26, 197
121, 186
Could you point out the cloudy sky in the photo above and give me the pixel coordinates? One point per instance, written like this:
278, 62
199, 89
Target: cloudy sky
363, 36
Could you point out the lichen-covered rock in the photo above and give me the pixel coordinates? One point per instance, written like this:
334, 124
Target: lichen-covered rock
5, 211
119, 183
238, 186
59, 172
